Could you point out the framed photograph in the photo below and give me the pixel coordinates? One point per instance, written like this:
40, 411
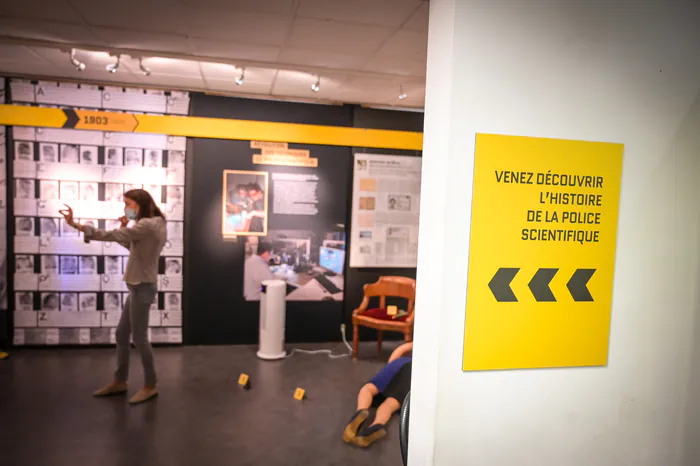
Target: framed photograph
48, 153
24, 150
87, 265
69, 265
175, 230
24, 189
48, 190
172, 301
24, 301
49, 227
88, 191
112, 301
176, 157
175, 194
133, 157
69, 190
49, 265
24, 226
114, 156
70, 153
24, 264
69, 302
49, 301
88, 155
154, 158
173, 266
114, 192
113, 265
87, 302
244, 201
68, 231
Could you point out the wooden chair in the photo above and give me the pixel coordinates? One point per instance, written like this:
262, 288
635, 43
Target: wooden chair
377, 318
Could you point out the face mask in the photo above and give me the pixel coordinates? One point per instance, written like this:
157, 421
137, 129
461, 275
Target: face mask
130, 213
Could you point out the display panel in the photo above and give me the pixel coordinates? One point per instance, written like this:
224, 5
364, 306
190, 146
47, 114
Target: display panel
244, 211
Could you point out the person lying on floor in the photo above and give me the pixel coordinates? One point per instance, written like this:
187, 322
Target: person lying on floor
393, 382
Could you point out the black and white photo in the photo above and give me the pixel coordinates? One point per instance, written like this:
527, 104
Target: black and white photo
172, 301
154, 158
24, 264
114, 156
69, 190
49, 301
88, 265
113, 265
48, 227
24, 189
173, 266
133, 157
175, 194
69, 265
114, 192
88, 155
88, 191
176, 157
49, 265
70, 153
87, 302
24, 301
68, 231
174, 230
48, 190
48, 153
112, 301
69, 302
24, 226
24, 151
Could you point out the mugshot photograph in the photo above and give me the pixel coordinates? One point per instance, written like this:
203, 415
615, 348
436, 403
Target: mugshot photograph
176, 157
24, 189
48, 190
112, 301
87, 265
49, 301
24, 264
114, 192
70, 153
24, 151
48, 153
24, 301
172, 301
154, 158
175, 194
174, 230
88, 155
69, 302
49, 265
114, 156
69, 265
48, 227
173, 266
69, 191
87, 302
133, 157
24, 226
113, 265
88, 191
68, 231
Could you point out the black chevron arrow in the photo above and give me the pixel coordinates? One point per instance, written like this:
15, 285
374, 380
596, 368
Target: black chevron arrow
578, 285
71, 118
500, 285
539, 285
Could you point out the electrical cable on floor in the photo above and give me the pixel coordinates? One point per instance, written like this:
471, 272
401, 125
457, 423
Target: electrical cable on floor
326, 351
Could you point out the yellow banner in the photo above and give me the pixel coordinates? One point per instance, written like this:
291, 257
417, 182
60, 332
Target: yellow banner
285, 160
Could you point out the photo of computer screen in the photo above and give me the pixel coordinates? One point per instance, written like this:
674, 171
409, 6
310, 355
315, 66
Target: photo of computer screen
332, 259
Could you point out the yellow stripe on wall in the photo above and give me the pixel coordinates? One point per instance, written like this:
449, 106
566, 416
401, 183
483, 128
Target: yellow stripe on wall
214, 128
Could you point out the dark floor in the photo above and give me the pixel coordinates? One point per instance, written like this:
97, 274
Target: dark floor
201, 418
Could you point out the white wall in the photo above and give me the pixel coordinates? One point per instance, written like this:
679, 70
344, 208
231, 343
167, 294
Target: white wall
616, 71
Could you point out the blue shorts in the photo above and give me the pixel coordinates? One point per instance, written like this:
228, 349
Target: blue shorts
388, 372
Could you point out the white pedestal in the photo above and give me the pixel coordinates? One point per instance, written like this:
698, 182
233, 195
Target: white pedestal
272, 320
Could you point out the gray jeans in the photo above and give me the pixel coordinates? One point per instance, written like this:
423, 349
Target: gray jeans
134, 321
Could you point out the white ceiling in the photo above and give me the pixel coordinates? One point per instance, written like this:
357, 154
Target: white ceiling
364, 50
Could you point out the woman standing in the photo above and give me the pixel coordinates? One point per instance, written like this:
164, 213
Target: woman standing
145, 242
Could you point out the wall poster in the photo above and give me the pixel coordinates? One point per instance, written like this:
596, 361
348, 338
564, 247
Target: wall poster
306, 232
244, 211
67, 291
385, 211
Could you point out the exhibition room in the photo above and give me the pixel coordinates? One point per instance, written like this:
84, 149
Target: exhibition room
211, 214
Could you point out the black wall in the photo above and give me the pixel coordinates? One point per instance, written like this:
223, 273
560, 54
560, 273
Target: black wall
215, 311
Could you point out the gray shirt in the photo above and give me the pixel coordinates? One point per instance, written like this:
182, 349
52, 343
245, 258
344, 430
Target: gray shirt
145, 241
255, 272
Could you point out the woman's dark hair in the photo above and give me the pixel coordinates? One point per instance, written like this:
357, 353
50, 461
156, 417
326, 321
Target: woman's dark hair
147, 206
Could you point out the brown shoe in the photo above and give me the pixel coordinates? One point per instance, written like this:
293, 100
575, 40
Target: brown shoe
112, 389
355, 423
143, 395
368, 435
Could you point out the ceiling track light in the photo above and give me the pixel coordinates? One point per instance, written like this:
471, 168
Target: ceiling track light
80, 66
113, 67
241, 79
402, 93
144, 70
317, 85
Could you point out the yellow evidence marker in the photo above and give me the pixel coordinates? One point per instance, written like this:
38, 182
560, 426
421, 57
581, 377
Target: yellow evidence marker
244, 381
299, 394
392, 310
4, 355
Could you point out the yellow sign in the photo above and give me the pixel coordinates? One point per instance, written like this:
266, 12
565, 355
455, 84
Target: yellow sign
101, 121
299, 394
285, 160
243, 380
542, 253
304, 154
268, 145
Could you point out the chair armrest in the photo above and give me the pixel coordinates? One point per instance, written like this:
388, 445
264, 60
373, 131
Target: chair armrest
362, 308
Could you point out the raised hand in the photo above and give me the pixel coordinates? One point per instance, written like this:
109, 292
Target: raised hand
124, 221
68, 215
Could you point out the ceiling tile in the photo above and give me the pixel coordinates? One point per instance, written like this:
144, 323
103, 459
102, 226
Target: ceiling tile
297, 84
419, 20
169, 67
397, 66
234, 50
278, 7
54, 10
48, 31
228, 85
334, 37
140, 40
223, 72
245, 28
388, 13
19, 53
143, 15
406, 44
322, 59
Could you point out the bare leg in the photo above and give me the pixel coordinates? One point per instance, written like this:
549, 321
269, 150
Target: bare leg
367, 393
386, 410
